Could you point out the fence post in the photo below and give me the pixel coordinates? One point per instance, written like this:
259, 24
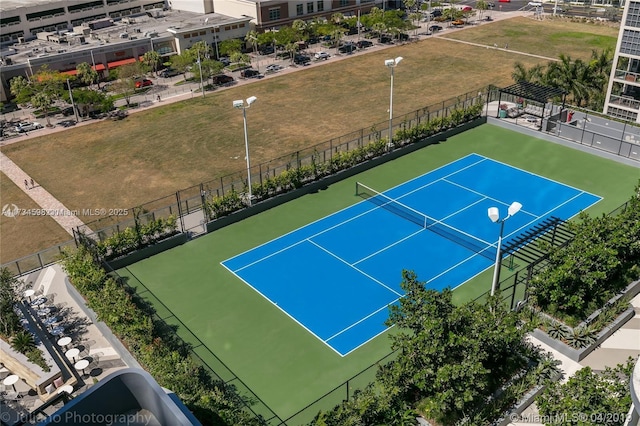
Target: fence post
180, 211
515, 287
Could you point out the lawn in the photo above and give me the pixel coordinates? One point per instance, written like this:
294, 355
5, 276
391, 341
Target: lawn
285, 365
153, 153
550, 38
18, 232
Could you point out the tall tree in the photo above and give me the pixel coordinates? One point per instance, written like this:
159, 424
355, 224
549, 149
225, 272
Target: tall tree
42, 90
9, 321
86, 73
152, 60
126, 84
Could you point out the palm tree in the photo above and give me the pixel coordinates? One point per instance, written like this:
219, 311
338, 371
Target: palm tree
152, 60
86, 73
22, 342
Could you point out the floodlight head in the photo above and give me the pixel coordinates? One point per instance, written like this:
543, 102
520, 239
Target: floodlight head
398, 59
251, 100
514, 208
389, 63
494, 214
238, 104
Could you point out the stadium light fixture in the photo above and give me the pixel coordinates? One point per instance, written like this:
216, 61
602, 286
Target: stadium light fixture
391, 64
494, 215
240, 104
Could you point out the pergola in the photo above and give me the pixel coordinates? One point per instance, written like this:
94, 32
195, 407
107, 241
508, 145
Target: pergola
533, 92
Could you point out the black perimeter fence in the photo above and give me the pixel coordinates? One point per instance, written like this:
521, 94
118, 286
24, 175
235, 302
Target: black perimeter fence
190, 201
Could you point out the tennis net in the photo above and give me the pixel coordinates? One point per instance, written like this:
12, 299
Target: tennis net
468, 241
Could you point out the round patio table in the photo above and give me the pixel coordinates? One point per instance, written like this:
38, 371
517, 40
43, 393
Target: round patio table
72, 353
11, 381
81, 365
29, 293
66, 388
64, 341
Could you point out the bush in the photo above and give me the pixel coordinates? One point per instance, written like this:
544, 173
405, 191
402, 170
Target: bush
164, 356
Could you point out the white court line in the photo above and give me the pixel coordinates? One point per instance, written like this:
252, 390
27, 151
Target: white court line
544, 177
284, 311
389, 246
354, 204
364, 319
359, 270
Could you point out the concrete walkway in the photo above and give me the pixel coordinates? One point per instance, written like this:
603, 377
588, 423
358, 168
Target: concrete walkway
49, 205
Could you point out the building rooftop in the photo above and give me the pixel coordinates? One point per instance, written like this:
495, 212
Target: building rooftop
152, 25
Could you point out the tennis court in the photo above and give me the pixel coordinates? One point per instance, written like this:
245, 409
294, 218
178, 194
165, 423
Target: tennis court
337, 276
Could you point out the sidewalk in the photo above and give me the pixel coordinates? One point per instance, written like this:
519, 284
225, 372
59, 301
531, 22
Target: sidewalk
47, 202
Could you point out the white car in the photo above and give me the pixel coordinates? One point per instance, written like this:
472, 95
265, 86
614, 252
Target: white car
27, 127
535, 3
321, 55
274, 68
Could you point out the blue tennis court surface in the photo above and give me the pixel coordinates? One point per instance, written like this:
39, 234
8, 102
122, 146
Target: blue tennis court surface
337, 276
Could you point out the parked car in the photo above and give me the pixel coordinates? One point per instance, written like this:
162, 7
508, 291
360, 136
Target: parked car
221, 79
67, 123
435, 28
364, 43
225, 60
274, 68
457, 23
27, 127
490, 5
67, 111
266, 50
436, 12
347, 48
169, 72
321, 55
248, 73
386, 39
143, 83
504, 1
301, 59
557, 9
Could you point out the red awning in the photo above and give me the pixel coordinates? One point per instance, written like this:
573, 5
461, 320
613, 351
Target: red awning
115, 64
70, 72
99, 67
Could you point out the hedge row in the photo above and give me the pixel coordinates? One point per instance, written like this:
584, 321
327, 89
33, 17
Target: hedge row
164, 356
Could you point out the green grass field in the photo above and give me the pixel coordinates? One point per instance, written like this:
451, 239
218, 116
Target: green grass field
285, 365
153, 153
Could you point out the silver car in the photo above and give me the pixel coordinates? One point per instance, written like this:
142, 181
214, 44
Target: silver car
27, 127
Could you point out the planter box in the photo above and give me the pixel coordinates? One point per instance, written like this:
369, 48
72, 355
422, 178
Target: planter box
579, 354
148, 251
343, 174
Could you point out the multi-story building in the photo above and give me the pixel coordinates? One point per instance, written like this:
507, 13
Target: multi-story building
109, 33
23, 20
623, 92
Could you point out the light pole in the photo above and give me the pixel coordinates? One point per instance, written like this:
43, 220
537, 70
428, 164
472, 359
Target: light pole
494, 215
200, 69
216, 29
391, 64
240, 104
73, 104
